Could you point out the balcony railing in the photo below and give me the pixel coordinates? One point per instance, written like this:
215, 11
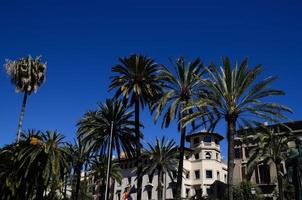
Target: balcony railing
207, 144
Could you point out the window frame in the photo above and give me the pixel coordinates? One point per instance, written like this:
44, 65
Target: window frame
209, 170
197, 157
195, 174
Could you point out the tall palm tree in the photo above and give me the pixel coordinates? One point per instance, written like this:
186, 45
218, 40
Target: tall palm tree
95, 129
136, 79
235, 97
271, 145
27, 74
80, 154
163, 160
182, 86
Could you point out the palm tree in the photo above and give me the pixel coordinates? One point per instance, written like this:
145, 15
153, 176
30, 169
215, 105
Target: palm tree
163, 160
235, 97
182, 87
45, 157
33, 165
95, 129
138, 81
80, 154
271, 145
99, 171
27, 74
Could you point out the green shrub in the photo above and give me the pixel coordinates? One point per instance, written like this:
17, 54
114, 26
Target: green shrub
244, 192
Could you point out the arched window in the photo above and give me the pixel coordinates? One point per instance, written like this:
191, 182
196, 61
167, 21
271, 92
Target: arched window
208, 155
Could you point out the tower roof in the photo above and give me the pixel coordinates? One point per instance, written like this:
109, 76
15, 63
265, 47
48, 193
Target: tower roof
204, 133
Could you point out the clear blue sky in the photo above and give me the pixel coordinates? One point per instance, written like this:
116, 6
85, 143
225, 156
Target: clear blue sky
81, 41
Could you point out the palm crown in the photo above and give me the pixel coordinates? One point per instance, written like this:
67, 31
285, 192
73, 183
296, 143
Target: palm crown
26, 73
163, 159
95, 126
182, 87
163, 156
137, 78
233, 94
99, 170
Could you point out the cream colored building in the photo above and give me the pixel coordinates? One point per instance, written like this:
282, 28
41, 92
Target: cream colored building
204, 171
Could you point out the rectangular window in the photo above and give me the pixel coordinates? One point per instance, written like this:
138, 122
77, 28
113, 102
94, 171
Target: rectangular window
264, 172
225, 178
174, 192
257, 175
198, 192
197, 156
174, 173
149, 194
129, 180
197, 174
217, 156
238, 153
209, 174
243, 173
187, 192
247, 152
150, 176
160, 192
218, 175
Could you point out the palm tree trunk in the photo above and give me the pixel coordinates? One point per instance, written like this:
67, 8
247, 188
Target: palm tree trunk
21, 116
231, 121
181, 161
280, 180
65, 187
159, 187
40, 189
78, 181
138, 152
112, 190
165, 187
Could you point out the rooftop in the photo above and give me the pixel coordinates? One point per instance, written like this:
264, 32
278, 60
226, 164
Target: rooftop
216, 135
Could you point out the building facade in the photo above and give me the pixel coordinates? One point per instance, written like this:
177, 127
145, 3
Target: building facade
265, 175
205, 172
